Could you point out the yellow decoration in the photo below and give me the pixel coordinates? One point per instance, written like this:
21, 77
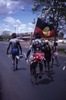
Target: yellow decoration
46, 31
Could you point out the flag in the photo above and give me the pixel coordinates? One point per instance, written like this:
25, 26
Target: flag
46, 30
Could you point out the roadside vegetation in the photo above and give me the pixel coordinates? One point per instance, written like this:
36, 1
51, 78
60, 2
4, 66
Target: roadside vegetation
62, 51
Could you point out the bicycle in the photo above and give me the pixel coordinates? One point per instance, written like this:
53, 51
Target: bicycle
35, 61
15, 61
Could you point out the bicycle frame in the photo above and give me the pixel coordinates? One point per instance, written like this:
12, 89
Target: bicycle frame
37, 58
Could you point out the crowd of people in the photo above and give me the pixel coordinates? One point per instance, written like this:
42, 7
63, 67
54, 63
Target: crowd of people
39, 46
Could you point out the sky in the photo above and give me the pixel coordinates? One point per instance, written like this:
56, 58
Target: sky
16, 16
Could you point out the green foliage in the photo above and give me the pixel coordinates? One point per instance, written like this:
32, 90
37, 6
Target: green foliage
58, 5
57, 11
1, 38
4, 37
61, 49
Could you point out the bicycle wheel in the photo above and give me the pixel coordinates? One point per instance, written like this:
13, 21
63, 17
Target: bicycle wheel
33, 73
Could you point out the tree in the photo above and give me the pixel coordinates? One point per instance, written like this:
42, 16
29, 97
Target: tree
1, 38
56, 13
58, 5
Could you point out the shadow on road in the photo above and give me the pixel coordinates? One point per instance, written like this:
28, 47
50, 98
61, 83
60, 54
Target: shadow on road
47, 78
22, 68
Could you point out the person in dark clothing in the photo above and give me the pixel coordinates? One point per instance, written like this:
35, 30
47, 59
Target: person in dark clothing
14, 47
47, 52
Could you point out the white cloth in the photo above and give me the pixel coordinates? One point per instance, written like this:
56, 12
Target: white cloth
55, 54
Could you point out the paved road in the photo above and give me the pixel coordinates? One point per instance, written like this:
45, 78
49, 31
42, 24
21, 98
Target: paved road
17, 85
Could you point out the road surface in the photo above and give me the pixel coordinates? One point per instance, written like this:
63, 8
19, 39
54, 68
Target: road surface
17, 85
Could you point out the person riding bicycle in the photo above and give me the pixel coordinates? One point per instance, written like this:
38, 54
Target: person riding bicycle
14, 47
35, 47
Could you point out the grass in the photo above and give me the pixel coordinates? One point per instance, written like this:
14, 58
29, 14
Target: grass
61, 51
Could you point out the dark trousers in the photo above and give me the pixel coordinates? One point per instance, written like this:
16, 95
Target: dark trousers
34, 65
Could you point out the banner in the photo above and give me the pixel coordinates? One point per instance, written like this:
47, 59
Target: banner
45, 29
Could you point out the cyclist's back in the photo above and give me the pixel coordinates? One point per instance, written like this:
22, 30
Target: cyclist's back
36, 45
35, 48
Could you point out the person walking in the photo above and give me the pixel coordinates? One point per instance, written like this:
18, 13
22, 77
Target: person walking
47, 52
55, 54
13, 48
